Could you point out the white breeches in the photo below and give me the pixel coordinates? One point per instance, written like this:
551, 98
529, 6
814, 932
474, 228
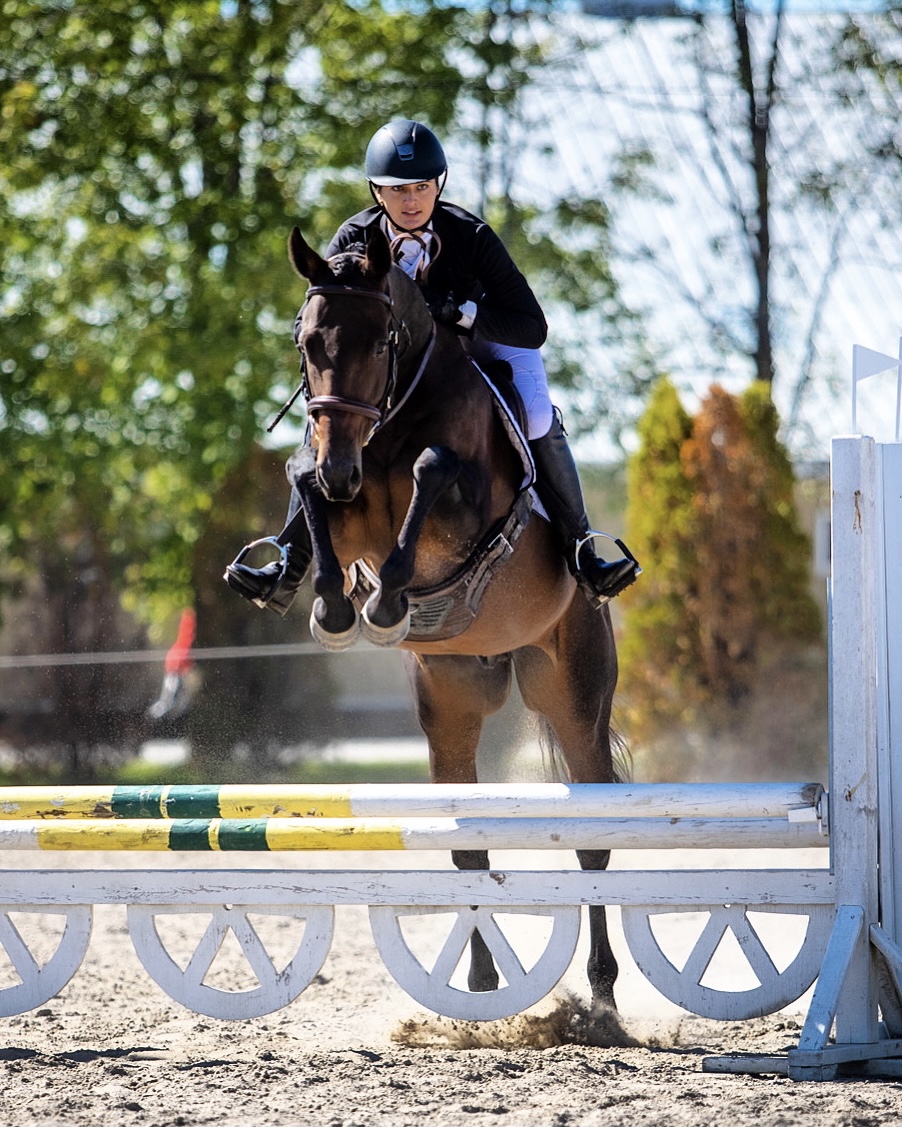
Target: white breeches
530, 380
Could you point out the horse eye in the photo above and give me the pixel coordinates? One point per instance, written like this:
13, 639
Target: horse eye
381, 346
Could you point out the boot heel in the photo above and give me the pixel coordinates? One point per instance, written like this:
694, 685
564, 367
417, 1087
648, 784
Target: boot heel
599, 580
264, 587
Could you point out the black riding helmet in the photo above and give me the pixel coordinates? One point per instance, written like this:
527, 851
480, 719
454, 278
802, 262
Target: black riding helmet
404, 152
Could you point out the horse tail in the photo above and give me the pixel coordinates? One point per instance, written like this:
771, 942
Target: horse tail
621, 757
555, 767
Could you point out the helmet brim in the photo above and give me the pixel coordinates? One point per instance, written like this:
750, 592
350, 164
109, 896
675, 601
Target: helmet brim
397, 181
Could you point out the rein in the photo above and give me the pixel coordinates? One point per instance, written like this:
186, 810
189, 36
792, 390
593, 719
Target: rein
379, 414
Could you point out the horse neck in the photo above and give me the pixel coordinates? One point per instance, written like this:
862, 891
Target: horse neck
414, 318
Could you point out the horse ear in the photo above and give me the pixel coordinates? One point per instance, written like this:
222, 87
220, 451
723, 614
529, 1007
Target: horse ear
303, 258
378, 260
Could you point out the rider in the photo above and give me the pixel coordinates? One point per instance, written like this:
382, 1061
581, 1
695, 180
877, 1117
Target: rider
470, 283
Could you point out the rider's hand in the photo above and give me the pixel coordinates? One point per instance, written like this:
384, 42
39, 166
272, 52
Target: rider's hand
459, 317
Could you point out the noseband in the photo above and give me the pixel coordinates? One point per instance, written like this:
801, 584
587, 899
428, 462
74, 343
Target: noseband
380, 413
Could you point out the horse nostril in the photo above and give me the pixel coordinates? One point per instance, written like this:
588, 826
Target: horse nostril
339, 482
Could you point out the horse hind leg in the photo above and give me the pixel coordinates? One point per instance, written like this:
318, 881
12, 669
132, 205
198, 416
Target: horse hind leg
573, 695
386, 616
601, 968
482, 974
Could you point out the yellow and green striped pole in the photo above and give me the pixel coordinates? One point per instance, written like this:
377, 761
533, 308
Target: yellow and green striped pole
387, 800
304, 834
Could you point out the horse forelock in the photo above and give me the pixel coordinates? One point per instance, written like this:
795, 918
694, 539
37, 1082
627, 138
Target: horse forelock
347, 269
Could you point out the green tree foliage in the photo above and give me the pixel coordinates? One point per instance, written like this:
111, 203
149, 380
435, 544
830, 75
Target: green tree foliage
154, 157
722, 467
782, 573
659, 649
712, 516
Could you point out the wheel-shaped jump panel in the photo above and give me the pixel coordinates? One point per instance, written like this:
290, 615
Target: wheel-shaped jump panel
41, 982
433, 989
683, 984
275, 989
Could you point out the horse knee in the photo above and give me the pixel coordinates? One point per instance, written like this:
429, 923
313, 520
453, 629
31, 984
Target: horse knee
438, 466
302, 463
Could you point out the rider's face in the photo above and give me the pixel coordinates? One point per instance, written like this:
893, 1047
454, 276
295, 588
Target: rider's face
409, 206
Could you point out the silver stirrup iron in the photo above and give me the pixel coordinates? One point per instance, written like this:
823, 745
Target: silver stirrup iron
590, 536
262, 600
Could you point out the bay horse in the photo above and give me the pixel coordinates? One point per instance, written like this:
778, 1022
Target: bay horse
409, 471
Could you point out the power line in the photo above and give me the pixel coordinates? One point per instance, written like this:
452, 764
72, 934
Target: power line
153, 657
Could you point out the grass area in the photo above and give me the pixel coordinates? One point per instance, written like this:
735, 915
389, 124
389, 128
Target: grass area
139, 773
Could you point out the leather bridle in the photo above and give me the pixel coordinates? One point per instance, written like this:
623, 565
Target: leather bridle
378, 413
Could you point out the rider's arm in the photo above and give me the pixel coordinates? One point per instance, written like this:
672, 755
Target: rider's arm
474, 265
508, 311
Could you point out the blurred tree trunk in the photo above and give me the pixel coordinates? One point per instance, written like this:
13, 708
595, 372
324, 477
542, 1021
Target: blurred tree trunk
760, 102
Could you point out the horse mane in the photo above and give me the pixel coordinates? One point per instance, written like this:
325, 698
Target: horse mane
346, 269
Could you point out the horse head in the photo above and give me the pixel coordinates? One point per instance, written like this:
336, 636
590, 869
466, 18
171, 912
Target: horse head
348, 341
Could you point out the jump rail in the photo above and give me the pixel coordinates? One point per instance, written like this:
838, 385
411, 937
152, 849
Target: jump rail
848, 945
794, 801
538, 816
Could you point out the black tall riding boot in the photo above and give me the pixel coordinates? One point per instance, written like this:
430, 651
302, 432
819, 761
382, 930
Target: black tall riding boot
275, 585
560, 492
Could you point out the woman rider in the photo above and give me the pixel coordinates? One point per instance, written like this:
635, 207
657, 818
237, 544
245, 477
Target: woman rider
471, 283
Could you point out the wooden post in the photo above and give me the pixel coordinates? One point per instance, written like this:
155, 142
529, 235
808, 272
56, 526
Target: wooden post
889, 682
853, 822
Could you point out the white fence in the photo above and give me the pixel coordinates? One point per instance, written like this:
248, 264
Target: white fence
851, 911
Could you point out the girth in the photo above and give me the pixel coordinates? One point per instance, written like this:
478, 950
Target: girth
447, 609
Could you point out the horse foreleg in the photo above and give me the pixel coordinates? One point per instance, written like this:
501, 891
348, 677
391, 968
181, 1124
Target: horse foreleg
386, 616
334, 621
574, 694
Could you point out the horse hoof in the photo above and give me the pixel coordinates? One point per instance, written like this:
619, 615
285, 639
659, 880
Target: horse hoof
334, 643
384, 635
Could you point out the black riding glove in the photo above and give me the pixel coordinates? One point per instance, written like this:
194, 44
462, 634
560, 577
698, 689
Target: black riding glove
458, 317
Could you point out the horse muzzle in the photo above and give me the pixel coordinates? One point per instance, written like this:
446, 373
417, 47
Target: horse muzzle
339, 478
339, 446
